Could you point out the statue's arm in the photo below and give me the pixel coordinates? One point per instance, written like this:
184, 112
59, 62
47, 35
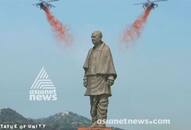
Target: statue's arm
85, 81
110, 80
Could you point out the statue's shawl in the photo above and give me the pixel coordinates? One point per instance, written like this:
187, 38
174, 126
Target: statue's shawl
104, 62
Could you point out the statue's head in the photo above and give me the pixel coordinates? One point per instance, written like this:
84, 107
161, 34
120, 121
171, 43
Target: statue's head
96, 38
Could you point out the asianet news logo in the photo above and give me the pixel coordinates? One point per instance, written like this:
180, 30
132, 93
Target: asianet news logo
42, 88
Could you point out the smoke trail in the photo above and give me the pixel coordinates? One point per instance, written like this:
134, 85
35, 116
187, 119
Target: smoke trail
133, 32
62, 32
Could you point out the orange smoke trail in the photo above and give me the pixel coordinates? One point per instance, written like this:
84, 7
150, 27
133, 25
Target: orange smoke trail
62, 33
133, 32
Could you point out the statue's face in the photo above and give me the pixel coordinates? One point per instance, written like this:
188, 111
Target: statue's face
96, 38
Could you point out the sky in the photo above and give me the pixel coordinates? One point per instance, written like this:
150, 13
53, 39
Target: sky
153, 75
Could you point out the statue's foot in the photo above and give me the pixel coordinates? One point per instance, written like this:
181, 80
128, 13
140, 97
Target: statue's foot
101, 125
94, 124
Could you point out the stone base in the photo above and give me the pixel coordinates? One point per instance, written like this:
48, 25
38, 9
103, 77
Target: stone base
94, 129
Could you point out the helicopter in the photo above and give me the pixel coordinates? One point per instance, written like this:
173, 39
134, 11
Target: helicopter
45, 4
150, 4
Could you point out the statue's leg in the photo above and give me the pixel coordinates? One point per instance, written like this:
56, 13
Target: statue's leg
93, 110
102, 109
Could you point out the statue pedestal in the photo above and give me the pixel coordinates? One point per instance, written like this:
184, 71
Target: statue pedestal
94, 129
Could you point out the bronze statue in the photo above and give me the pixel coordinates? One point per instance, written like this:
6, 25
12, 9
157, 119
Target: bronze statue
98, 78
